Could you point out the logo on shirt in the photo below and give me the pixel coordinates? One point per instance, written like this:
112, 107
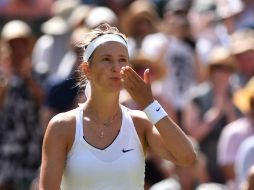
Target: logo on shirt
158, 109
127, 150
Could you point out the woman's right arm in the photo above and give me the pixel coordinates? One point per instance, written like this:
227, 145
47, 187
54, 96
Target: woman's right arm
54, 151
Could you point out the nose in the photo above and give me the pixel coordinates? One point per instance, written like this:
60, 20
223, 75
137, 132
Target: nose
116, 66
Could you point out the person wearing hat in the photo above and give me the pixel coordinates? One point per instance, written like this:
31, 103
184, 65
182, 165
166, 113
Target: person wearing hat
236, 14
174, 47
64, 81
236, 132
51, 47
242, 47
20, 130
244, 160
211, 107
101, 14
139, 20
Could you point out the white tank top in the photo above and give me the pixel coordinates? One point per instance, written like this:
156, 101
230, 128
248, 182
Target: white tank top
120, 166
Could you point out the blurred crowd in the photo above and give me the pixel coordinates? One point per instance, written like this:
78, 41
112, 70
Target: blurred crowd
201, 57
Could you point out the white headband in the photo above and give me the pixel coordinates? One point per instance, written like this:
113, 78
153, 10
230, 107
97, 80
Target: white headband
100, 40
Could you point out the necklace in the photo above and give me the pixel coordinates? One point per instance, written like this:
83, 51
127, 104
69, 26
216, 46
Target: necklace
105, 124
110, 121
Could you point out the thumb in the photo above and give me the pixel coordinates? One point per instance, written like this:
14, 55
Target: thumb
147, 76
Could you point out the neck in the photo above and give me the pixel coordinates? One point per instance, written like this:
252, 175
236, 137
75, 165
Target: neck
220, 90
104, 108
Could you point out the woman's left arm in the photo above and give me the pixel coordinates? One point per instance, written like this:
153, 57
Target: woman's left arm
165, 137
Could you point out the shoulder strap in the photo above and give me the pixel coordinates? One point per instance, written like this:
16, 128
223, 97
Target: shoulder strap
79, 124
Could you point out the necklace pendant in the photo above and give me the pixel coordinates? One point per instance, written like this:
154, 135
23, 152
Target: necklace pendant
102, 134
106, 124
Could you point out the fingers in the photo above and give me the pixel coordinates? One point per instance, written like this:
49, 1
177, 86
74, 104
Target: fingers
128, 72
128, 79
139, 89
132, 81
147, 77
128, 75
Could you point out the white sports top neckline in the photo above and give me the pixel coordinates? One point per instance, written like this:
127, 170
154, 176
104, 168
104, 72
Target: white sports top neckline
120, 166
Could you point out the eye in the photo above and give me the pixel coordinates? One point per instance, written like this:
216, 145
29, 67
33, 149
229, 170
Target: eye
123, 60
105, 59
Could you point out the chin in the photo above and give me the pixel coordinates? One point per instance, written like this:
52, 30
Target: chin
116, 88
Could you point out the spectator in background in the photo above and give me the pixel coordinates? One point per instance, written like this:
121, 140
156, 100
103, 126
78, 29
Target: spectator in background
211, 107
33, 12
139, 20
50, 48
206, 28
235, 133
20, 130
244, 99
236, 14
196, 175
174, 47
63, 93
244, 164
115, 5
101, 14
242, 47
228, 11
247, 14
26, 9
213, 21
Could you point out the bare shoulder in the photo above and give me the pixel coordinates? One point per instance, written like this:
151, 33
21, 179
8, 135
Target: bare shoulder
58, 138
62, 124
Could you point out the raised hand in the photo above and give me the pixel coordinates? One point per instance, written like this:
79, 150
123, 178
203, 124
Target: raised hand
139, 89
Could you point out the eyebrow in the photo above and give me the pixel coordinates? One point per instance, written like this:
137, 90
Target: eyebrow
109, 55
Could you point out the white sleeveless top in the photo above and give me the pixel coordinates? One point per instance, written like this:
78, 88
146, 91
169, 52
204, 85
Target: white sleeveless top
120, 166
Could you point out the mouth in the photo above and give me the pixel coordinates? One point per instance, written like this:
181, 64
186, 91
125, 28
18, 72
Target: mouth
115, 78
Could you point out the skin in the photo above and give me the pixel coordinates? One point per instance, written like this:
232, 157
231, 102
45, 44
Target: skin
109, 72
21, 65
198, 127
245, 63
250, 179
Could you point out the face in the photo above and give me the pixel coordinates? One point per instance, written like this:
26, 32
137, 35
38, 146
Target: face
141, 27
246, 63
105, 66
220, 76
19, 47
176, 23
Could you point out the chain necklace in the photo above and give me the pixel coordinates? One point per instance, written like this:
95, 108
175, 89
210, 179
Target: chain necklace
110, 121
105, 124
